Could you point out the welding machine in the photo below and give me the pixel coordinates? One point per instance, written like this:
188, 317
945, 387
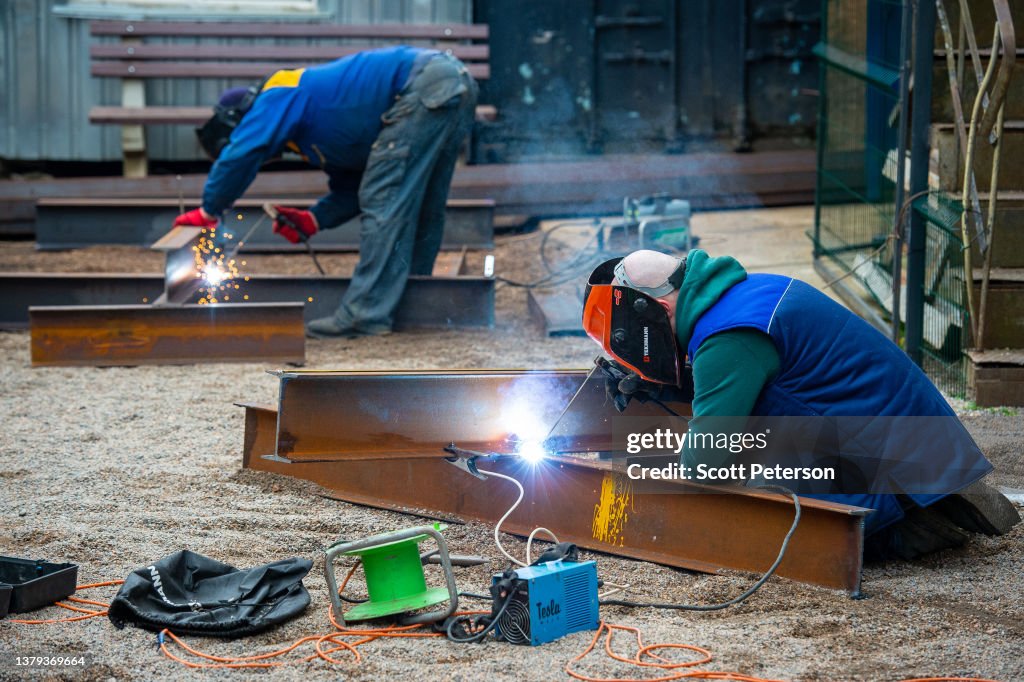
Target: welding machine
550, 600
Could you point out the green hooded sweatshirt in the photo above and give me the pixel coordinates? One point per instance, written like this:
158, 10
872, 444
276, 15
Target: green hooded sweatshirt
731, 367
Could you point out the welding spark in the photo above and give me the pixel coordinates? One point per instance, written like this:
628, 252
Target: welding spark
214, 267
526, 431
532, 451
214, 275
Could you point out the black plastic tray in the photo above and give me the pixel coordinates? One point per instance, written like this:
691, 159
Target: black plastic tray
36, 583
5, 599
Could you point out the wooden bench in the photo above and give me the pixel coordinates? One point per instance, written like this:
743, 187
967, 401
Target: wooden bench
140, 52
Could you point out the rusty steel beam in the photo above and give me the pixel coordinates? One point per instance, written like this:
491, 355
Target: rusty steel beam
76, 222
463, 301
104, 336
587, 503
415, 414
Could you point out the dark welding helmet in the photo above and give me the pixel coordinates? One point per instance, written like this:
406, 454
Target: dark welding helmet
631, 324
227, 113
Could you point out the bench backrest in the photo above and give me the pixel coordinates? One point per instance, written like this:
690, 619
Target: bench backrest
134, 57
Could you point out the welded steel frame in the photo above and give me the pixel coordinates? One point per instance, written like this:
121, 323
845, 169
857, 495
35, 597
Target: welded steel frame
394, 460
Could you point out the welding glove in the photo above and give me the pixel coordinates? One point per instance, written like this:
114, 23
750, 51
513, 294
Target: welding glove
621, 385
196, 218
294, 224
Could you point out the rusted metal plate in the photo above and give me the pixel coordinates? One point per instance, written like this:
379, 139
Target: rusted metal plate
345, 415
432, 302
587, 503
101, 336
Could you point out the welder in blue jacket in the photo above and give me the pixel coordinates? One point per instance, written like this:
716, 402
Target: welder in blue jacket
762, 345
386, 127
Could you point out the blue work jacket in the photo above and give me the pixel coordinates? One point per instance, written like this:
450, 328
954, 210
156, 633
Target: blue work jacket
834, 364
330, 114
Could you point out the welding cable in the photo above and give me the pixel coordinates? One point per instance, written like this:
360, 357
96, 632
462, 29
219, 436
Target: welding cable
569, 271
529, 541
497, 527
478, 636
751, 590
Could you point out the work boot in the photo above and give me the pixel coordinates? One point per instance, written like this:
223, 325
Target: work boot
331, 328
980, 508
924, 531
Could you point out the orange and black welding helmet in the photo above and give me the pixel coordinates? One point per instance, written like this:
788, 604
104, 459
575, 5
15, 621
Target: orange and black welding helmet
631, 324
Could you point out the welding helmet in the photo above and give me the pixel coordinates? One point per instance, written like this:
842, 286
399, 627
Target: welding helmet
631, 324
227, 113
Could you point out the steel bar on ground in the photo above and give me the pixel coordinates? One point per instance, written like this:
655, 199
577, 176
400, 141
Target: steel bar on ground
586, 502
76, 222
427, 302
103, 336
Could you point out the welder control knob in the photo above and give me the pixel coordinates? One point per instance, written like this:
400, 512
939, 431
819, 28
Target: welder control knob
640, 305
619, 336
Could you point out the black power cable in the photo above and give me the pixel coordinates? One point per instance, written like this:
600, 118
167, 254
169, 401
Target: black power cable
735, 600
452, 622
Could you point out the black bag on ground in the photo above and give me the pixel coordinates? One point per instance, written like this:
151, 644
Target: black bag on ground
193, 594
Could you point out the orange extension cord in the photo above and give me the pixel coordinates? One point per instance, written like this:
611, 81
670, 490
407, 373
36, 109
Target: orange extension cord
332, 642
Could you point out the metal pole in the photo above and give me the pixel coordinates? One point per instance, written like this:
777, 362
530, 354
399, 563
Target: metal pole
920, 149
906, 39
822, 134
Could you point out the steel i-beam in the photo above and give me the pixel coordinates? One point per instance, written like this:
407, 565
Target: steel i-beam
377, 439
172, 329
428, 302
76, 222
99, 336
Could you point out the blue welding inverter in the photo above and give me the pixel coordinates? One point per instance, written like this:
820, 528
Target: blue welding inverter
551, 600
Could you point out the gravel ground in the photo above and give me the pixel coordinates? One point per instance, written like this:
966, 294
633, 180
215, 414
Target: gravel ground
114, 468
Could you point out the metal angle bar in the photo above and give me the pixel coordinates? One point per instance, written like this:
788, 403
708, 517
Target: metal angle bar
464, 301
103, 336
587, 503
69, 223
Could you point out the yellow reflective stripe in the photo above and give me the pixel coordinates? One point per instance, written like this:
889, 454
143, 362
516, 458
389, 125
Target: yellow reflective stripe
286, 78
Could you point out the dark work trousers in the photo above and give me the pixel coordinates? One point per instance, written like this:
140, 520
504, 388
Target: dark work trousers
404, 190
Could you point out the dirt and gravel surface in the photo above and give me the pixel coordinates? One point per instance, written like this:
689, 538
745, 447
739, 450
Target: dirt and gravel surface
114, 468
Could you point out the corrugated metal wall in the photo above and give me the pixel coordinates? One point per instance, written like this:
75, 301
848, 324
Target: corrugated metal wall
46, 90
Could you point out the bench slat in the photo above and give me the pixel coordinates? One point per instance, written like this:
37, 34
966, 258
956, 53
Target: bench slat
287, 52
289, 30
254, 70
193, 115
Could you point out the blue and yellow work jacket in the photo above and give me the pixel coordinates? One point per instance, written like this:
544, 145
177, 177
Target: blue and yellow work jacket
330, 114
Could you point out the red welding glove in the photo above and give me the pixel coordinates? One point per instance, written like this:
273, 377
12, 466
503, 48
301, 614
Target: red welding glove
196, 218
293, 223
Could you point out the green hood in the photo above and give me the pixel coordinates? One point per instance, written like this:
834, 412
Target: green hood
706, 280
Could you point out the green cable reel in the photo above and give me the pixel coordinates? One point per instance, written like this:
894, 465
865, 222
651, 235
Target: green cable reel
394, 576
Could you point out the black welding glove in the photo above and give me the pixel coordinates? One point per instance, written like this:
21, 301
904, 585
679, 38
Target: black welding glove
622, 385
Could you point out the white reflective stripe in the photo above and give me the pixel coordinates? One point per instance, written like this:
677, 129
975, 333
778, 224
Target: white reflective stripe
777, 304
